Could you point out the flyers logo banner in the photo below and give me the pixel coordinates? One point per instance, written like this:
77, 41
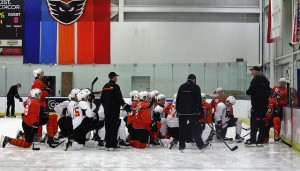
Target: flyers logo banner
66, 11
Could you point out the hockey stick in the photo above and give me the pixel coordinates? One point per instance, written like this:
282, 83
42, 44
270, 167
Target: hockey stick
34, 148
92, 87
246, 129
215, 132
283, 140
54, 146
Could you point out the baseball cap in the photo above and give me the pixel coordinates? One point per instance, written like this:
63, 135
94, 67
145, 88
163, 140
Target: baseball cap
191, 76
112, 75
256, 68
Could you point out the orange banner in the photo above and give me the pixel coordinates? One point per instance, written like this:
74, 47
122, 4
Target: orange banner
66, 44
85, 35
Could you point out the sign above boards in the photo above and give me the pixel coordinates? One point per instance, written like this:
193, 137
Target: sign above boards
11, 27
66, 11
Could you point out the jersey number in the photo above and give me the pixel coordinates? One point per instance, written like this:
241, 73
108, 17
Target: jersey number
76, 112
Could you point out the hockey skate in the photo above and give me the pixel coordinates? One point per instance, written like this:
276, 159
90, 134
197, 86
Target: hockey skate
181, 150
112, 149
101, 145
204, 147
154, 142
67, 144
260, 145
4, 141
238, 138
52, 143
276, 139
19, 134
248, 143
123, 143
173, 142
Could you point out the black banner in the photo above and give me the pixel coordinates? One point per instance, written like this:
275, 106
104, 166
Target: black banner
11, 27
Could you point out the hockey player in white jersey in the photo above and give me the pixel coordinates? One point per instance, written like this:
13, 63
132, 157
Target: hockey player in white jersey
83, 119
172, 122
159, 114
64, 118
224, 119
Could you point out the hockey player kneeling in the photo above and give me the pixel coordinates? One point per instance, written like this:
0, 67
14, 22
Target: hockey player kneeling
84, 120
224, 119
31, 120
64, 117
142, 123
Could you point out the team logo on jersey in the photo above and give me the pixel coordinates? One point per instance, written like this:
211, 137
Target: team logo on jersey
66, 11
217, 100
277, 96
270, 110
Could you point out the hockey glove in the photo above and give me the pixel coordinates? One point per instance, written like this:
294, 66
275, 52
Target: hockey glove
156, 116
153, 126
230, 116
125, 119
20, 99
47, 89
91, 97
127, 107
219, 126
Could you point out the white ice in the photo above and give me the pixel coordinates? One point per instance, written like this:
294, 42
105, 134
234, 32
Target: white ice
218, 157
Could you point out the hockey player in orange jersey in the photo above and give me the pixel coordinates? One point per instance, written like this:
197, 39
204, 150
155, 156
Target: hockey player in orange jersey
38, 83
142, 123
272, 120
31, 121
280, 93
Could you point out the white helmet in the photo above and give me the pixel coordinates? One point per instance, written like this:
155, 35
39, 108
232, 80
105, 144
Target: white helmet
231, 100
73, 93
35, 92
70, 96
136, 97
37, 72
219, 89
133, 93
82, 95
203, 95
155, 92
282, 80
86, 90
143, 94
160, 96
152, 94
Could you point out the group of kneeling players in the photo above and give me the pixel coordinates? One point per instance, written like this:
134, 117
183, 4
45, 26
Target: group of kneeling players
150, 120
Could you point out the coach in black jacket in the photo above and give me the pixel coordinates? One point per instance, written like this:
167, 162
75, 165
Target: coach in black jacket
189, 108
11, 95
260, 91
112, 100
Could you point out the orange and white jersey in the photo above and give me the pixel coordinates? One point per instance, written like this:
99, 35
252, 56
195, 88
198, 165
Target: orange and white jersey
79, 111
280, 95
172, 119
60, 108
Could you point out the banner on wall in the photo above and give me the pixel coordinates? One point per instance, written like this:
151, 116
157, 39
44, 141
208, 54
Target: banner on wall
11, 27
296, 23
67, 32
274, 21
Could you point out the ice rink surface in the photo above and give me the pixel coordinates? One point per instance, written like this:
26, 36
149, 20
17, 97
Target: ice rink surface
218, 157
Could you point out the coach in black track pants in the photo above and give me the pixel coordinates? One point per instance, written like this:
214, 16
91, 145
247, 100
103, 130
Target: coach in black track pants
189, 108
112, 100
11, 95
260, 91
